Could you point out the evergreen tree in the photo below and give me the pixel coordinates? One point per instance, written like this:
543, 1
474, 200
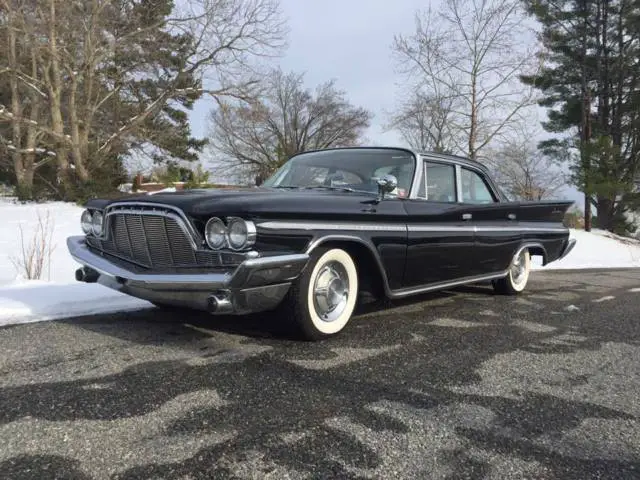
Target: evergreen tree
591, 82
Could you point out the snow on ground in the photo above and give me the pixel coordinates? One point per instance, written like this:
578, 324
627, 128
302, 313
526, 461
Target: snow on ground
597, 249
58, 295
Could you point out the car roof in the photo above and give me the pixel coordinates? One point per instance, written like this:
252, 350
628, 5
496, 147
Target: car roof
453, 158
423, 153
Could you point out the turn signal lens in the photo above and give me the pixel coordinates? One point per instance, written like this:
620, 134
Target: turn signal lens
85, 222
215, 233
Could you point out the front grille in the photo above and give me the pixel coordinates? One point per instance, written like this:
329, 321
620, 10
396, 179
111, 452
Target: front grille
156, 239
149, 240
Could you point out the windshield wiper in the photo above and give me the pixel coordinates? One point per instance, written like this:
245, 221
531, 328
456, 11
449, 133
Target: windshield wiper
286, 186
336, 188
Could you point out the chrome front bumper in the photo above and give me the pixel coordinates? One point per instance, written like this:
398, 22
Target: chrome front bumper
255, 285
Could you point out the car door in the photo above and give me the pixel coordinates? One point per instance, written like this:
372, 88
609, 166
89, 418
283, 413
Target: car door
440, 243
497, 232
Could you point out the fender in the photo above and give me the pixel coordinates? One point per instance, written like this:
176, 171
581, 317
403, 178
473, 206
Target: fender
316, 242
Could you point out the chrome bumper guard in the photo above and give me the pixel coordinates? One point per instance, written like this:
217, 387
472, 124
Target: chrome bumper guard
255, 285
570, 244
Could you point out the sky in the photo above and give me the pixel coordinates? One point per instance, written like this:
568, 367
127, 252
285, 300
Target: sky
348, 41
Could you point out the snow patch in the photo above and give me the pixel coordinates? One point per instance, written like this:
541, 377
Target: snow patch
596, 249
604, 299
57, 294
164, 190
37, 300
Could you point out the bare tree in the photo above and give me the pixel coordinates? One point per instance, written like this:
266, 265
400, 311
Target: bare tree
472, 51
100, 74
424, 122
524, 171
258, 137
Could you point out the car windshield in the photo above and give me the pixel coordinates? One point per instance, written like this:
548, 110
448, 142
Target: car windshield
355, 169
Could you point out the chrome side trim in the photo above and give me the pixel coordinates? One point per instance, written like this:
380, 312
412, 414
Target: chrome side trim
342, 226
462, 228
440, 286
390, 227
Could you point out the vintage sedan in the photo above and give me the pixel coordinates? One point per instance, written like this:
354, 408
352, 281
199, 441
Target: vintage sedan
326, 227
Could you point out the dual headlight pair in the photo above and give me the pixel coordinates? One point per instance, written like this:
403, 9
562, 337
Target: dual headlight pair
92, 222
236, 234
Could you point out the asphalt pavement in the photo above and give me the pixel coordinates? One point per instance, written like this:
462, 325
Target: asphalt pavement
458, 384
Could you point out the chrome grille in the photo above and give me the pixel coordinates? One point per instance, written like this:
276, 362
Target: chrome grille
148, 239
157, 238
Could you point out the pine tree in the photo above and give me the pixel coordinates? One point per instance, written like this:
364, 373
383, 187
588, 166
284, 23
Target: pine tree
590, 82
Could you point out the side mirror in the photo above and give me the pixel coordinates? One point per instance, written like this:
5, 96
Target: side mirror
386, 184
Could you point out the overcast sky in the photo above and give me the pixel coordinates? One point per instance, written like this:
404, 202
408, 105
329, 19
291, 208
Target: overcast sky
349, 41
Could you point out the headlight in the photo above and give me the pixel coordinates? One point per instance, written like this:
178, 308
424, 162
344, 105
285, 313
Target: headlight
85, 222
240, 233
96, 223
215, 233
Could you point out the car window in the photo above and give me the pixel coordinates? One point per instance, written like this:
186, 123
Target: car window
440, 182
474, 188
316, 176
357, 169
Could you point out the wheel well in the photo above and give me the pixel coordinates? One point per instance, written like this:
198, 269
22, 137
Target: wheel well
538, 250
369, 273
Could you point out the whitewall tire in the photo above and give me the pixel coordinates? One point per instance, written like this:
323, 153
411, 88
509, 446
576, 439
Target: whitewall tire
322, 300
518, 276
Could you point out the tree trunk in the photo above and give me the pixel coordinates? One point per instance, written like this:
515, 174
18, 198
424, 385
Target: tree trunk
25, 188
55, 93
586, 123
473, 128
606, 213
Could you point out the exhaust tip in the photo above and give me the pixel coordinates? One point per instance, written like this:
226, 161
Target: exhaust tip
80, 275
87, 275
212, 304
220, 303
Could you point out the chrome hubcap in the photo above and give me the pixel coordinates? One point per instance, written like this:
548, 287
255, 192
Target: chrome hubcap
331, 291
519, 268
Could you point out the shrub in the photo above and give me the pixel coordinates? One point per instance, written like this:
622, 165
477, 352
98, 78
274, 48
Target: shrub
37, 253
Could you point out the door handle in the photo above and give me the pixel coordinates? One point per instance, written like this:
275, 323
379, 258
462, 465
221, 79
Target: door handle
466, 216
511, 216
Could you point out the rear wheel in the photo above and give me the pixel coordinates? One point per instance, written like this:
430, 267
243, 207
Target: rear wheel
321, 301
518, 276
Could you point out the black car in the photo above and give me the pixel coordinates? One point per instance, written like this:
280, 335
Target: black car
327, 226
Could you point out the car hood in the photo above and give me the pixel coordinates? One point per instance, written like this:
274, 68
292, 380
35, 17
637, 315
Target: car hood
251, 201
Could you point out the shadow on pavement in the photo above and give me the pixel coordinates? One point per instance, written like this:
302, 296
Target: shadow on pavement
408, 368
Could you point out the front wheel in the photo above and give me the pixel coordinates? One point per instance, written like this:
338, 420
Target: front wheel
321, 301
518, 276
